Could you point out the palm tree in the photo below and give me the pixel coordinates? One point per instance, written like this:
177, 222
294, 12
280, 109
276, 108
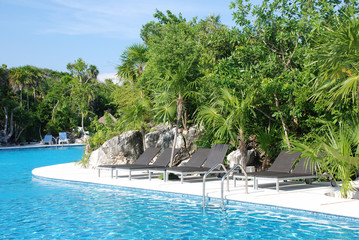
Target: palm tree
337, 152
226, 118
17, 80
338, 61
133, 61
179, 85
31, 77
137, 116
92, 72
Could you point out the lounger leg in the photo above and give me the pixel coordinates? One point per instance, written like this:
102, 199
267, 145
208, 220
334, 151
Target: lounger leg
111, 173
149, 175
166, 176
129, 175
181, 178
277, 185
116, 173
255, 183
99, 172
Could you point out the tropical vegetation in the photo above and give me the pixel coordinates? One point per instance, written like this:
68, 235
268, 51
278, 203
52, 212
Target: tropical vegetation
286, 75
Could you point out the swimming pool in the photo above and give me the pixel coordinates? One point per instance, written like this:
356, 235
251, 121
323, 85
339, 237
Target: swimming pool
37, 208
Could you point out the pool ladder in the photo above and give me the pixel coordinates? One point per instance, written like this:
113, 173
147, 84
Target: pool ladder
222, 181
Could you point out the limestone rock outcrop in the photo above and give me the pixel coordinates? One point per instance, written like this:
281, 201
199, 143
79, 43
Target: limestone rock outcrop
235, 156
163, 137
122, 149
128, 146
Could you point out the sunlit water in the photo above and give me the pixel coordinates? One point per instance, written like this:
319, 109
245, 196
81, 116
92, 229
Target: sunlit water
37, 208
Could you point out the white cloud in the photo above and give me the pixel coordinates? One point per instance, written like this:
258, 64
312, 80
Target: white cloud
102, 77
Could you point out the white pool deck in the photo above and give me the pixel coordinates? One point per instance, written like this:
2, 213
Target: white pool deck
296, 195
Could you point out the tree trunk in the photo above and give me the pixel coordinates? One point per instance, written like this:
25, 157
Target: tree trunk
8, 135
40, 132
53, 110
243, 149
6, 121
34, 96
19, 131
143, 131
265, 162
282, 120
184, 120
179, 114
27, 99
21, 96
82, 122
295, 118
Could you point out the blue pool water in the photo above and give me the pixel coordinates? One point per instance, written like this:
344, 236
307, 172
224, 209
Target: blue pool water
37, 208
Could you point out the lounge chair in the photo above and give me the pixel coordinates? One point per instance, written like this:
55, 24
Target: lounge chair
63, 138
47, 139
196, 160
301, 171
214, 160
283, 164
161, 162
143, 160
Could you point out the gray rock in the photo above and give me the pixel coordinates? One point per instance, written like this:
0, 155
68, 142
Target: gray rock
122, 149
128, 146
235, 156
162, 137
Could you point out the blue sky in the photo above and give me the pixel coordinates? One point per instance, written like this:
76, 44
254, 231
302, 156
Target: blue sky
52, 33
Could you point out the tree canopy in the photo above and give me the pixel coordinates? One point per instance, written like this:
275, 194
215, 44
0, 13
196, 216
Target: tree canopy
287, 73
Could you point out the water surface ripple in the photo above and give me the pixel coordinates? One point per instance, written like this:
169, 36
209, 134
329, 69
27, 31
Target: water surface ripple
37, 208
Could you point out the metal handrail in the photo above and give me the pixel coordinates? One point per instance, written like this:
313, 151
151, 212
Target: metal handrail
227, 175
204, 180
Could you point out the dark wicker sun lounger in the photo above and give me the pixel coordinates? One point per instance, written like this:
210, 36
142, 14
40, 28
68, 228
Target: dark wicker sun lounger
162, 161
301, 171
282, 165
214, 160
144, 159
196, 160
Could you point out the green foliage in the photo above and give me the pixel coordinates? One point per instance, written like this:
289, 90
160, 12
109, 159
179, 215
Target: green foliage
133, 61
152, 28
337, 152
284, 69
83, 162
268, 139
337, 60
45, 101
227, 115
100, 133
136, 115
164, 107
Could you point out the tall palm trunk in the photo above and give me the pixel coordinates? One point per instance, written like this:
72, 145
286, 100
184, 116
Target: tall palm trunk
179, 114
143, 131
27, 99
82, 122
34, 96
21, 96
